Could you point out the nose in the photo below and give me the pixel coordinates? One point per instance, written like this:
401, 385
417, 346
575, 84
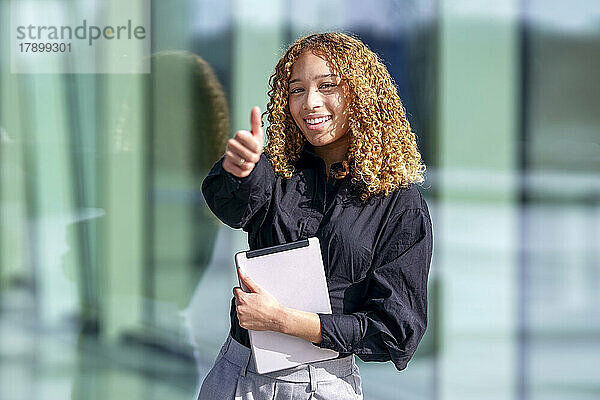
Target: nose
313, 99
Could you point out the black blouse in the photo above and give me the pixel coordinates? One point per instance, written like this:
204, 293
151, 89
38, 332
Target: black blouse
376, 254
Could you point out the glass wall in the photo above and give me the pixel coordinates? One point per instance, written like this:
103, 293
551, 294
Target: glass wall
115, 278
560, 225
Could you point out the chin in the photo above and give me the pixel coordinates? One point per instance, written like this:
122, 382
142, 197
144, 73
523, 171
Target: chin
318, 140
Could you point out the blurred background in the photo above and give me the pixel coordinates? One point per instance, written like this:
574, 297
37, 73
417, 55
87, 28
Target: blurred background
115, 279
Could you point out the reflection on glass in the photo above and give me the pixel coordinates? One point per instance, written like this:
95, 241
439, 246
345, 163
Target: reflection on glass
112, 271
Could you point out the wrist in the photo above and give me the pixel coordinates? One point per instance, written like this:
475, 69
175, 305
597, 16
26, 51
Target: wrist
281, 319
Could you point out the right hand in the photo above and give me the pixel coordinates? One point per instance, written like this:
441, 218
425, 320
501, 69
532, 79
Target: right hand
244, 149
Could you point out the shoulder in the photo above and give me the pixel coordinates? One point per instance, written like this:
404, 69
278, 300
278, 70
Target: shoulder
407, 198
408, 223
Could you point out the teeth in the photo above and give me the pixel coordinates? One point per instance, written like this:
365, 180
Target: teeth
318, 120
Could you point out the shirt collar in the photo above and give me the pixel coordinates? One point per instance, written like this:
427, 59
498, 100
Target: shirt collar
308, 157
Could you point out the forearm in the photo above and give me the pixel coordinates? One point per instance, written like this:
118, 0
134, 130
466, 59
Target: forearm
305, 325
230, 198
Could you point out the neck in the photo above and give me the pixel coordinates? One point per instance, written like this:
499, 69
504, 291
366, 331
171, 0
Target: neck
333, 152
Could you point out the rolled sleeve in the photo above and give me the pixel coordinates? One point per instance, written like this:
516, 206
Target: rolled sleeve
391, 315
235, 201
339, 332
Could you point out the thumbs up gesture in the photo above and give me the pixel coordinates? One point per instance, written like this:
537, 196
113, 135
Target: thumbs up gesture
244, 149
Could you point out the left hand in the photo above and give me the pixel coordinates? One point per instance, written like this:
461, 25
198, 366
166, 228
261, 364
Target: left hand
257, 310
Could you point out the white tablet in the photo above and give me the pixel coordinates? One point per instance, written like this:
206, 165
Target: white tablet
293, 273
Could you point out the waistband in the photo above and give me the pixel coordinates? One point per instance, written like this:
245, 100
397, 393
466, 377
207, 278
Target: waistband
320, 371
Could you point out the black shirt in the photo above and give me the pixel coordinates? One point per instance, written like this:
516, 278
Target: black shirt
376, 254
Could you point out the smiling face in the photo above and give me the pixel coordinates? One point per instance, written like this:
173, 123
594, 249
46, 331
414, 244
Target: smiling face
317, 100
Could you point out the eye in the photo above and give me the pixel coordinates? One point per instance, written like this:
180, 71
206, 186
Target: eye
296, 90
328, 85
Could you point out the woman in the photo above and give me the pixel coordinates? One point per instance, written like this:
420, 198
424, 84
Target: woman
340, 164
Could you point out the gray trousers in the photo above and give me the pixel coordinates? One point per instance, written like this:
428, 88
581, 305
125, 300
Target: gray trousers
233, 378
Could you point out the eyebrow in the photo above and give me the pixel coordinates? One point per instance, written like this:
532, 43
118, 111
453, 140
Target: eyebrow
316, 77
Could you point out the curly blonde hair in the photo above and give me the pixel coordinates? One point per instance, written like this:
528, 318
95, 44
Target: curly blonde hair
382, 155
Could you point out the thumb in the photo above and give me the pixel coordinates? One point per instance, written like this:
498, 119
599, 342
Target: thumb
256, 123
248, 282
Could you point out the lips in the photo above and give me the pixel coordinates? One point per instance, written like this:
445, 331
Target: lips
317, 122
